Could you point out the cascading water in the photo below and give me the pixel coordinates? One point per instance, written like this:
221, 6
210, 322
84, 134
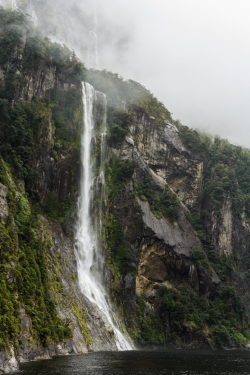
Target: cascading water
14, 5
93, 57
93, 51
90, 263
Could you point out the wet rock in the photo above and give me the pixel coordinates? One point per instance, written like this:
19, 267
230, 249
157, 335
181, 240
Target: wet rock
4, 208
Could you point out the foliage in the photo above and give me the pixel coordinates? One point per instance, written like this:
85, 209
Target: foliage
227, 171
163, 203
151, 330
55, 210
26, 131
19, 129
116, 88
199, 257
25, 279
119, 90
117, 246
53, 54
223, 265
66, 108
117, 127
117, 175
13, 25
184, 309
9, 314
21, 125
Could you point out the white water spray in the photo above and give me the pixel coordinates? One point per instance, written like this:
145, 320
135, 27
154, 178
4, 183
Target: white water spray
93, 50
93, 57
14, 5
90, 264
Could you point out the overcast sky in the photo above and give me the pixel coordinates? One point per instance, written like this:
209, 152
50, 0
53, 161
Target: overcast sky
194, 55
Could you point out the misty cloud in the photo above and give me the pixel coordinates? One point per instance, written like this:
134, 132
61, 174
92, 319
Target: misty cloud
193, 55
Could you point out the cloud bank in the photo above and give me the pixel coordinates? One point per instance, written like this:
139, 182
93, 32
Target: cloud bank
193, 55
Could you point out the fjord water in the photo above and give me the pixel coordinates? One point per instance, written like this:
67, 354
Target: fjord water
145, 363
89, 225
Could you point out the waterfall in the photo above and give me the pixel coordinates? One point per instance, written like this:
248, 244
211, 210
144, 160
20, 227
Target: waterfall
14, 5
31, 11
93, 58
90, 262
93, 50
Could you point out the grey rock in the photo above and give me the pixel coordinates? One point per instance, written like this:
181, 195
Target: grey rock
4, 208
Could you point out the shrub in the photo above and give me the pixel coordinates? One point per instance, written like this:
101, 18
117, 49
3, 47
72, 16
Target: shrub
117, 127
163, 203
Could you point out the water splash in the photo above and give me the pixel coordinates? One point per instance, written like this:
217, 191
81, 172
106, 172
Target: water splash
90, 262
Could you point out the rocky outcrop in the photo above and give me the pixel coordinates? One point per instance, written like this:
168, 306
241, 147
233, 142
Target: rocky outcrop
160, 249
4, 208
91, 330
163, 151
83, 317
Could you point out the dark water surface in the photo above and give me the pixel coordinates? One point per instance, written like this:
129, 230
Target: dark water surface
145, 363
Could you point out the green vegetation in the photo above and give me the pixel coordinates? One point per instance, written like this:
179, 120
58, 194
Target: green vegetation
25, 279
117, 175
119, 90
227, 172
117, 246
37, 53
199, 257
19, 130
22, 125
55, 210
13, 25
116, 88
66, 120
223, 265
151, 330
117, 127
66, 106
227, 177
184, 310
163, 203
24, 136
29, 130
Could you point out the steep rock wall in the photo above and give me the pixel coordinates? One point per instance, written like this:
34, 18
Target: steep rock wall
39, 195
162, 251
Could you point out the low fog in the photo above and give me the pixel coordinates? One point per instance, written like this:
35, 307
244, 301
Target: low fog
193, 55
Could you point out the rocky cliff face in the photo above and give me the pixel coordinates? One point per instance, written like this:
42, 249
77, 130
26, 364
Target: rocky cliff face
43, 312
176, 228
169, 254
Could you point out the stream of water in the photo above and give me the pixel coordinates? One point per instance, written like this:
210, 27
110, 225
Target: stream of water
90, 262
14, 5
